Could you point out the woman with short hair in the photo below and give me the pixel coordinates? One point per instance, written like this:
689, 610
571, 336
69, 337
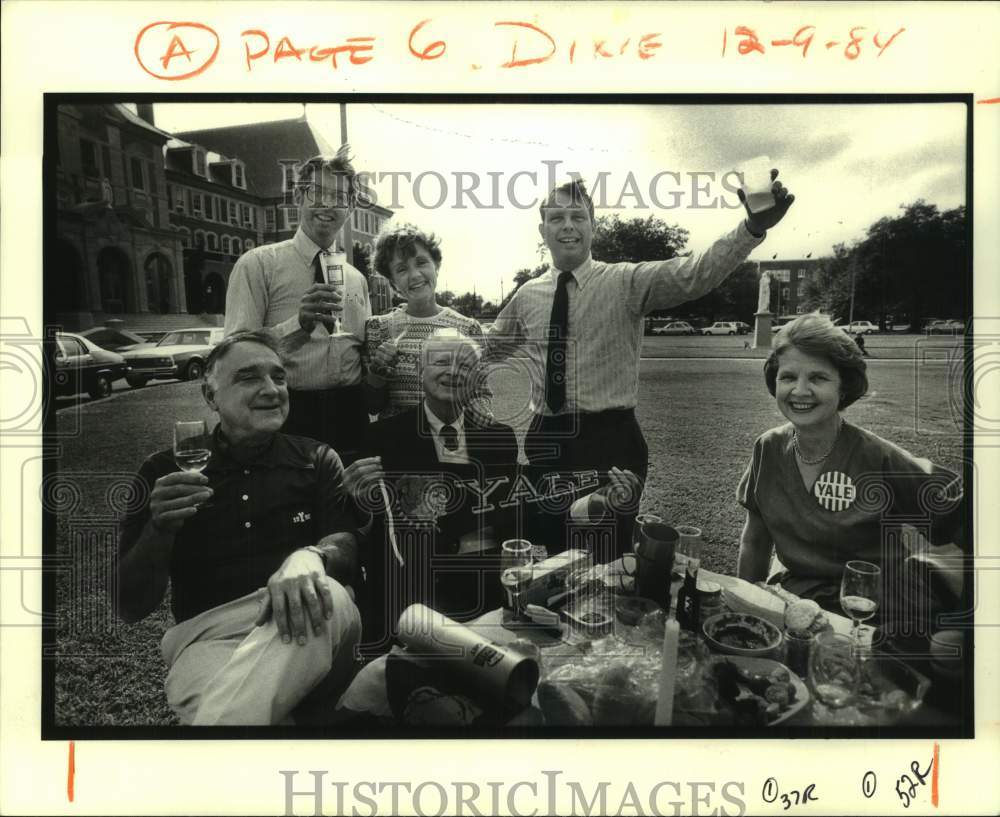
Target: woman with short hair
410, 259
821, 491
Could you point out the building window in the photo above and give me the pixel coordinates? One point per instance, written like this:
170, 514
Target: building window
269, 220
88, 158
106, 160
248, 244
233, 219
287, 178
238, 180
800, 290
225, 244
800, 309
199, 163
213, 241
179, 196
291, 218
135, 165
247, 214
196, 204
199, 239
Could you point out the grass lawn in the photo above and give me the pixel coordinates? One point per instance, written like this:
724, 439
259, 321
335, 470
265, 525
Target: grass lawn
700, 418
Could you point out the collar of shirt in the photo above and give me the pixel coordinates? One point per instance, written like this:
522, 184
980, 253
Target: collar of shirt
277, 453
582, 274
306, 247
460, 454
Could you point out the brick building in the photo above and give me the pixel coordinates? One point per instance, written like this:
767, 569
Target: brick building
149, 224
788, 281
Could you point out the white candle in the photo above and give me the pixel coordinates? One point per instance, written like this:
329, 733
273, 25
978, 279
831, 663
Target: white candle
668, 673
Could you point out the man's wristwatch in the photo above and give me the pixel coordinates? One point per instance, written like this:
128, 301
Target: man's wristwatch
319, 552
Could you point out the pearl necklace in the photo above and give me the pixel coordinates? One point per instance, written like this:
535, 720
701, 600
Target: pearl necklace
798, 452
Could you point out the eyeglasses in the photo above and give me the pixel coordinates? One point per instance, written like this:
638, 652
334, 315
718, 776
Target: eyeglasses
324, 195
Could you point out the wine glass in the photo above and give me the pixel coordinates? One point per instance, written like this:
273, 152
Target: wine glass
833, 669
860, 592
191, 449
515, 575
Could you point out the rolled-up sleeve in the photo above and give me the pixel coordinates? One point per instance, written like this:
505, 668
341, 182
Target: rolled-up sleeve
651, 285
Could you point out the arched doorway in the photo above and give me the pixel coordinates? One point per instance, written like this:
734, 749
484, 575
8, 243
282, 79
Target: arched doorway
214, 294
159, 283
114, 274
64, 278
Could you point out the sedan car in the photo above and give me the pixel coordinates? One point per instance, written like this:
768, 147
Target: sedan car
949, 326
178, 355
114, 340
721, 328
860, 328
83, 366
675, 328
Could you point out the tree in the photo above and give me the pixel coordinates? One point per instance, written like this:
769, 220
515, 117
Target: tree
362, 260
468, 304
913, 264
445, 297
734, 299
521, 277
636, 239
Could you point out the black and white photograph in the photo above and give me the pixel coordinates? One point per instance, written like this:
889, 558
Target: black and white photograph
499, 408
532, 416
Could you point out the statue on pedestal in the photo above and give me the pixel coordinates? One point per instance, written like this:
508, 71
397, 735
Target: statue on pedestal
764, 296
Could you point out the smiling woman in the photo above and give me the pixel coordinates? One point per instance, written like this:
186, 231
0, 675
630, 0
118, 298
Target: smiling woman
410, 258
821, 491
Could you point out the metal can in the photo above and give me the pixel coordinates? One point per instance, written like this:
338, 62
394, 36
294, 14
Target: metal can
710, 596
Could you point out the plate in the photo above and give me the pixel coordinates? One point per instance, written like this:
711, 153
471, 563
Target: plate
765, 666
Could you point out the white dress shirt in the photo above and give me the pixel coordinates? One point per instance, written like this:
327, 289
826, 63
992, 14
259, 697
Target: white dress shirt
266, 289
460, 455
607, 303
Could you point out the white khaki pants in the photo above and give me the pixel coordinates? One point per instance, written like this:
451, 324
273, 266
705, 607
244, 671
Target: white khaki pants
225, 671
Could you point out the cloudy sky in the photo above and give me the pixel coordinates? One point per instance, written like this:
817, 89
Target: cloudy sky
848, 165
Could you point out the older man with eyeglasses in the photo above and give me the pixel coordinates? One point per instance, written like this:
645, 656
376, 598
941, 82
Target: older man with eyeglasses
286, 287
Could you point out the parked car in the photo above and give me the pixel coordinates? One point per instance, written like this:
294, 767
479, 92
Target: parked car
114, 340
742, 328
721, 328
178, 355
860, 328
83, 366
947, 326
675, 328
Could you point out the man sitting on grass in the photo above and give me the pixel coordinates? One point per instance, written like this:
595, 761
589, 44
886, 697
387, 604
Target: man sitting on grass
268, 512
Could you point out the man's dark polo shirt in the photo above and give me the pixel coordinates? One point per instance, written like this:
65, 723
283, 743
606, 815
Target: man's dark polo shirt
289, 496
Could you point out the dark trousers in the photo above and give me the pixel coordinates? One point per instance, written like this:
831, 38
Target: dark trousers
583, 442
337, 417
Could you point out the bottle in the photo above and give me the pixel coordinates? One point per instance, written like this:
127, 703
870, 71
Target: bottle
688, 601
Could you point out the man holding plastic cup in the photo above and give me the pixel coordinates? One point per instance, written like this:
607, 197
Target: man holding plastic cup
305, 290
581, 325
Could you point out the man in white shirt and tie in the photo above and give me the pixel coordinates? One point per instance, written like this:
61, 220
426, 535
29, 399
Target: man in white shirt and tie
581, 327
285, 287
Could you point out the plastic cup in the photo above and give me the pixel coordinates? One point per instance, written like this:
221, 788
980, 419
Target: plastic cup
757, 183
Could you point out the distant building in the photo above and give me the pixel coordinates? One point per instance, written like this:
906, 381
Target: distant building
150, 223
115, 250
788, 283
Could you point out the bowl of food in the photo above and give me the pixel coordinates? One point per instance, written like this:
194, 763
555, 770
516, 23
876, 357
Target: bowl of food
742, 634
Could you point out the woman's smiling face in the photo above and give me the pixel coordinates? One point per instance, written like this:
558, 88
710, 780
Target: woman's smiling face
807, 389
414, 276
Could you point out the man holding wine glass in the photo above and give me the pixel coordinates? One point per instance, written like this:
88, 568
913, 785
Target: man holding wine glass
305, 290
256, 539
